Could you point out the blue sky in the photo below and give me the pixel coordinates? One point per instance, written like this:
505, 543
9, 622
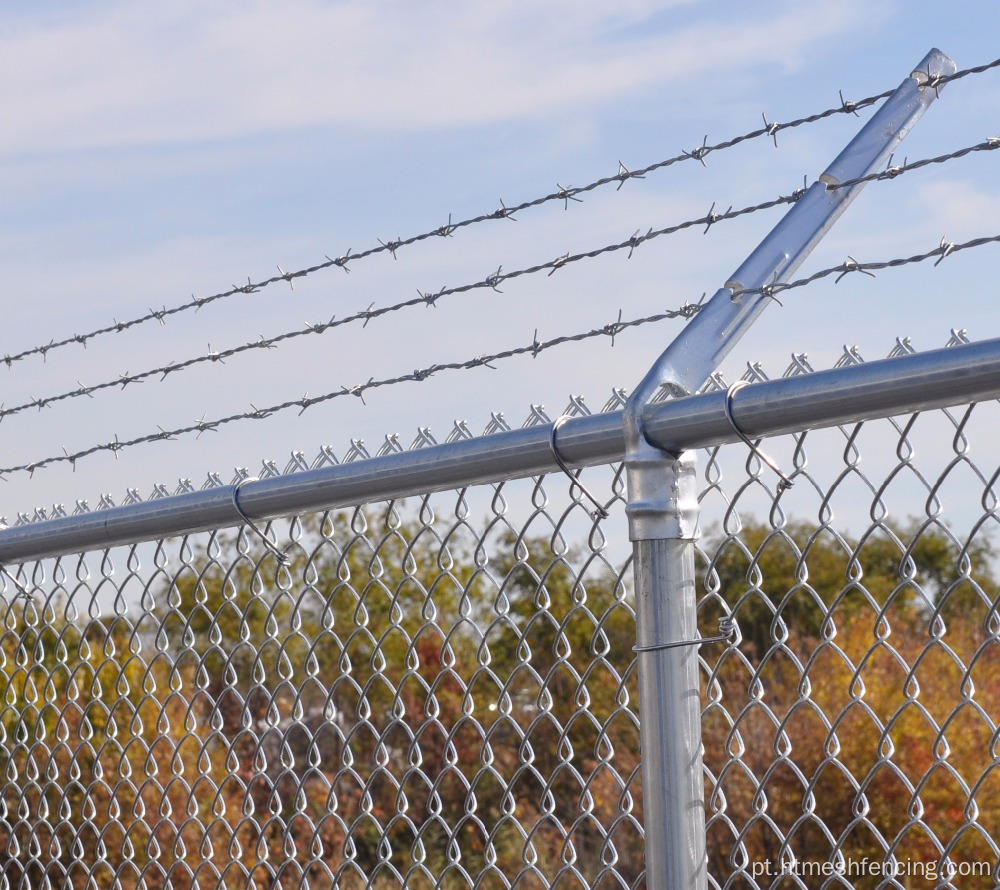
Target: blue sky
158, 151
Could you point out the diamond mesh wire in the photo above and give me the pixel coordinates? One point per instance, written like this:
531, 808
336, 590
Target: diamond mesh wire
442, 691
432, 693
851, 732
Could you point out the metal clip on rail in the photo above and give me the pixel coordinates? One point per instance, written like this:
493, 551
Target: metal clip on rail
662, 491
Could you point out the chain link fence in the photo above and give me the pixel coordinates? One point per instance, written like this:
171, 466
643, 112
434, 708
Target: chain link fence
441, 691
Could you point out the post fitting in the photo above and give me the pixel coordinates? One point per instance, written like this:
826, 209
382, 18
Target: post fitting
662, 505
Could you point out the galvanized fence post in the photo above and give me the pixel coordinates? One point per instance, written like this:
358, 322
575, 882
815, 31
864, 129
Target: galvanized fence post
662, 493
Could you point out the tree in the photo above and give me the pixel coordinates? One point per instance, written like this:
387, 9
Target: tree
395, 674
860, 712
336, 718
784, 583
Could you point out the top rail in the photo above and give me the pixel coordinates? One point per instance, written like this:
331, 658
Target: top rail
906, 384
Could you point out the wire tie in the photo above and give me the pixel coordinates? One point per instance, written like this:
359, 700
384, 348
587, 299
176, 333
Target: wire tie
785, 482
280, 554
601, 511
22, 591
727, 627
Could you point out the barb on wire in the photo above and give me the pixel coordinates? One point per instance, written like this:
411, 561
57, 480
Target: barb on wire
564, 194
946, 247
851, 265
771, 129
785, 481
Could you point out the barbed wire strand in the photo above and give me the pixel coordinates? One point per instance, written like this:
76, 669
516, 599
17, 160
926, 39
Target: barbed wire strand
492, 281
687, 310
563, 193
943, 250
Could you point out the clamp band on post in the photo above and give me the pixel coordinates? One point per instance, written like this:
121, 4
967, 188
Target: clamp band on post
785, 482
601, 511
280, 554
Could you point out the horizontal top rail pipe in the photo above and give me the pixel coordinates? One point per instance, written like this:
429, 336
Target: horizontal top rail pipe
901, 385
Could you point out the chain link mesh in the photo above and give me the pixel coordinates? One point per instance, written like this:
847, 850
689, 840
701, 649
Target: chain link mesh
441, 692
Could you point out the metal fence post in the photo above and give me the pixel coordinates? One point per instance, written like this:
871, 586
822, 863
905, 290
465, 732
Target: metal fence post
662, 494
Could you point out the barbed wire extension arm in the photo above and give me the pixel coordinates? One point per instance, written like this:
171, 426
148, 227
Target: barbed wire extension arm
492, 282
534, 348
563, 193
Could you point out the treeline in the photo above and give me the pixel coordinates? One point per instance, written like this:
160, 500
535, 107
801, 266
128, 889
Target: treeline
406, 706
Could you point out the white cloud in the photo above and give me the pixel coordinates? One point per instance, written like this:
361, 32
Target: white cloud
962, 208
186, 71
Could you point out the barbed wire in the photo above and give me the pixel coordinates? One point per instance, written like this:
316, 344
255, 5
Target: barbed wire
943, 250
563, 193
492, 282
891, 171
201, 426
611, 330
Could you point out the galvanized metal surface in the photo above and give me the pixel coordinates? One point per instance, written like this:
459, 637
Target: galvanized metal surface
673, 792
